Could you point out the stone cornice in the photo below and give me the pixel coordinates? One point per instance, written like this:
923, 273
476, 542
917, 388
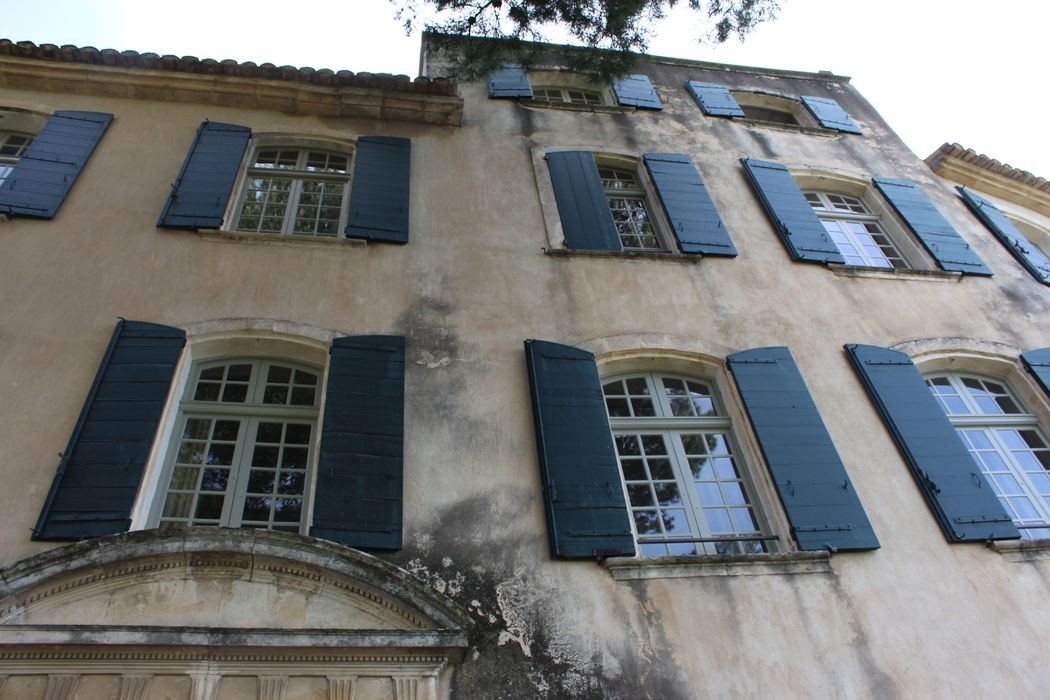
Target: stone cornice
303, 91
984, 174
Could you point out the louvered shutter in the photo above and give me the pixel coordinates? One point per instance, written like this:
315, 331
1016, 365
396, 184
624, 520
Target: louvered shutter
1020, 247
510, 81
379, 190
714, 100
45, 173
582, 491
586, 220
798, 226
99, 473
1038, 363
963, 503
694, 219
200, 194
636, 91
830, 114
931, 228
358, 497
818, 497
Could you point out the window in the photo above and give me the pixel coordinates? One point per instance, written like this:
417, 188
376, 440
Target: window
246, 432
856, 232
766, 114
298, 191
1005, 440
12, 146
630, 212
774, 109
682, 471
567, 95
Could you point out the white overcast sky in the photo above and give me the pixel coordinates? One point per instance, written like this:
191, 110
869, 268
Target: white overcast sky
966, 71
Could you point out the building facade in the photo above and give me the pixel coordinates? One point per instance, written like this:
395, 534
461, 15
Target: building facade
335, 385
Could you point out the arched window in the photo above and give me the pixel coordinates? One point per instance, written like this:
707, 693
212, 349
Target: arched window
687, 486
1005, 440
243, 446
856, 231
297, 191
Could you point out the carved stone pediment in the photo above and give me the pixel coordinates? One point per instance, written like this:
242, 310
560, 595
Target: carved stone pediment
217, 577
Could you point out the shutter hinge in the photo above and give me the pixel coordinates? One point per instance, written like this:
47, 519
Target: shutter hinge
824, 528
975, 519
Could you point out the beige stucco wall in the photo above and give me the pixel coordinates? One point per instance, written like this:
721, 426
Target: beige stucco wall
917, 618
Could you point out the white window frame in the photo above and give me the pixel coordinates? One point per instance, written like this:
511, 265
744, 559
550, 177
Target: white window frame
564, 96
156, 482
8, 161
640, 193
831, 213
671, 428
299, 175
988, 424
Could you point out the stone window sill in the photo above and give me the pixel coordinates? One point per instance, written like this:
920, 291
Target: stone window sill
223, 236
895, 273
691, 259
797, 128
643, 568
1022, 550
567, 107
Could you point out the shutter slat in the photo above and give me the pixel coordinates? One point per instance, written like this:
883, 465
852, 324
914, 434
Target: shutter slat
582, 205
202, 191
694, 219
379, 191
931, 228
714, 100
636, 91
830, 114
360, 468
583, 495
1033, 259
43, 176
818, 497
963, 503
792, 216
102, 465
510, 81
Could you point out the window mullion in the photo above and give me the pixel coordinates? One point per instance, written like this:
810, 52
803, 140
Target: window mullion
288, 226
684, 476
238, 484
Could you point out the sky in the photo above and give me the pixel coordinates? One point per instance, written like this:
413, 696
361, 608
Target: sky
965, 71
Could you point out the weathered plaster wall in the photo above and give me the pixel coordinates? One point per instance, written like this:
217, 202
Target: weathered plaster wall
917, 618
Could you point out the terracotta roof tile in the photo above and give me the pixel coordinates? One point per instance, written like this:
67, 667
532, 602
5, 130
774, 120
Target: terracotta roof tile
968, 155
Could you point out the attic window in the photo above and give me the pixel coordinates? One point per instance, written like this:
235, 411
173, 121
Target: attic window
773, 109
768, 115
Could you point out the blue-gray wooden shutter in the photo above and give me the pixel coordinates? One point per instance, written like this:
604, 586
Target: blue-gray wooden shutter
358, 497
583, 207
818, 496
960, 498
201, 192
510, 81
931, 228
801, 231
1019, 246
98, 475
830, 114
582, 490
714, 100
1037, 362
636, 91
45, 173
694, 219
379, 190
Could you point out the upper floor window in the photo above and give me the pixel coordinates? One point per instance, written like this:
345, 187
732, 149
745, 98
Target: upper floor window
629, 208
299, 191
1005, 440
567, 95
245, 439
686, 482
857, 232
12, 145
